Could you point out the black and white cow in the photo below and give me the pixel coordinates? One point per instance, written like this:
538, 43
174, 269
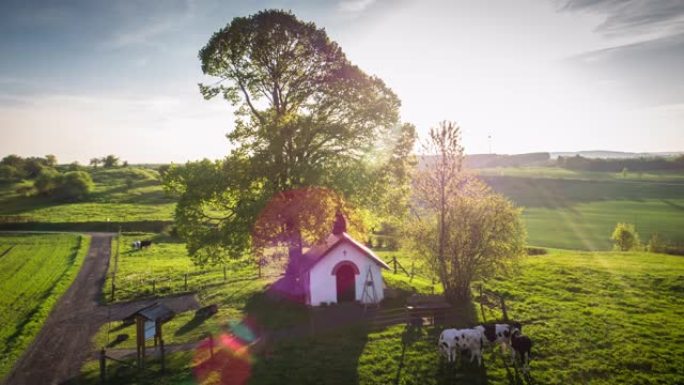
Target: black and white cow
470, 340
498, 334
447, 343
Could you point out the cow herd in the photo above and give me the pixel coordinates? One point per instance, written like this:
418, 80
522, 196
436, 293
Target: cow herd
473, 341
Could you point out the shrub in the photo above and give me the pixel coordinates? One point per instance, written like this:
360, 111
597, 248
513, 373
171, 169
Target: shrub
47, 181
74, 185
656, 244
625, 237
9, 173
535, 251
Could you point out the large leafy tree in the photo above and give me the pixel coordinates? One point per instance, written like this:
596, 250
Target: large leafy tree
305, 116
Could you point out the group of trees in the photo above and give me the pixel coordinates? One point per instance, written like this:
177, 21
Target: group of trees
74, 184
626, 238
14, 167
109, 161
314, 137
619, 165
70, 186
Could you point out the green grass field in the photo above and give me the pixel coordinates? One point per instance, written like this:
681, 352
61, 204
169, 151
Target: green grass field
121, 195
574, 211
595, 318
35, 270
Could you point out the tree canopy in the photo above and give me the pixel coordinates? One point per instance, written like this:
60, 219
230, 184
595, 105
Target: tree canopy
305, 116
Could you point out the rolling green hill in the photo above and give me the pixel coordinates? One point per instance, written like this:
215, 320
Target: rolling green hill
578, 210
121, 195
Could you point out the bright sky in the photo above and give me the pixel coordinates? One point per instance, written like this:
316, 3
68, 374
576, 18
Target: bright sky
81, 79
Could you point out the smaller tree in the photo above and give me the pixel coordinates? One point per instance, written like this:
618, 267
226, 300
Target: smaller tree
110, 161
625, 237
50, 160
464, 229
94, 162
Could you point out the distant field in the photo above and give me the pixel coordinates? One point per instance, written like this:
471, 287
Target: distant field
121, 195
579, 210
35, 270
595, 317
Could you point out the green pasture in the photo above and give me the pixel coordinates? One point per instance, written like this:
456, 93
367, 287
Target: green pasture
581, 214
35, 270
121, 195
595, 318
564, 173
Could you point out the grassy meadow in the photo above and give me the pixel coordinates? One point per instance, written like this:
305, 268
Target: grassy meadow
35, 270
124, 194
595, 318
579, 210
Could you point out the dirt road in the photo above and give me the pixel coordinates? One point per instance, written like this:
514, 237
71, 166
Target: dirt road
64, 342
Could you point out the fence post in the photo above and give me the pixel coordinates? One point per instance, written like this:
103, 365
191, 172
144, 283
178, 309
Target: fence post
103, 366
394, 260
482, 306
413, 266
225, 276
186, 281
153, 286
161, 347
503, 309
111, 297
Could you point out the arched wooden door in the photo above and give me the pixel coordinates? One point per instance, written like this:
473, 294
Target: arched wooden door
346, 283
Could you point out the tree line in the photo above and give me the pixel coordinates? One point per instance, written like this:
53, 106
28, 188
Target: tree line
580, 163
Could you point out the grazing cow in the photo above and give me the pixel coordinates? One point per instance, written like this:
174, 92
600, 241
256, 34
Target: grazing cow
496, 334
522, 346
145, 243
470, 340
135, 245
447, 344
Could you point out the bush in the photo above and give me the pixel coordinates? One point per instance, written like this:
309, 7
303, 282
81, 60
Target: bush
47, 181
9, 173
75, 185
625, 237
536, 251
656, 244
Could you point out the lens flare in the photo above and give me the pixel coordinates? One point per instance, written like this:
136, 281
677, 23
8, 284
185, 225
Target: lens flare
225, 359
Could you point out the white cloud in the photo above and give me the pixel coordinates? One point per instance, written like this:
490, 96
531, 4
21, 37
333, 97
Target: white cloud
353, 6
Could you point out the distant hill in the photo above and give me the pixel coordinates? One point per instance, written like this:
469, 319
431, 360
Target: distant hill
497, 160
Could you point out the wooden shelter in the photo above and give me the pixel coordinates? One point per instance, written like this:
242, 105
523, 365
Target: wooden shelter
148, 325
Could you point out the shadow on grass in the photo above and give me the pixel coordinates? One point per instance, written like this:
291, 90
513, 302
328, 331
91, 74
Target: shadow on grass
196, 321
306, 345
